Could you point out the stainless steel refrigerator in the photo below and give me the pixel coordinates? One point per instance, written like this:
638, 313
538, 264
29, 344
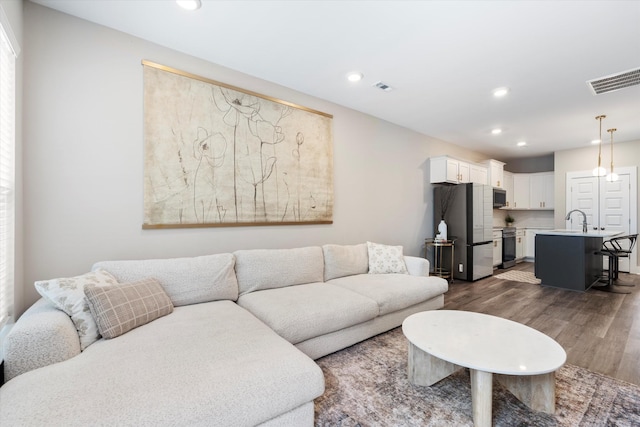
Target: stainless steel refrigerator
469, 218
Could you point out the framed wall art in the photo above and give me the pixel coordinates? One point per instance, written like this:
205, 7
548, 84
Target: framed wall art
218, 155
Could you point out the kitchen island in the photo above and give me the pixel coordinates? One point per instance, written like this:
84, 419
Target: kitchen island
567, 259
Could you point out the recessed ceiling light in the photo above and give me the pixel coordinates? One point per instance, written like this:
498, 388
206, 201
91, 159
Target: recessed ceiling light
500, 92
355, 76
595, 141
521, 144
496, 131
189, 4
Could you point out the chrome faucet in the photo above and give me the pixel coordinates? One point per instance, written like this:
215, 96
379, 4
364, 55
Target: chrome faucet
584, 217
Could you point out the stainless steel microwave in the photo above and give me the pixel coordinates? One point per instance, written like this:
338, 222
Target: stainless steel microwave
499, 197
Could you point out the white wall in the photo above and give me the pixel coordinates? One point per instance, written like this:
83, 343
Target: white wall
83, 159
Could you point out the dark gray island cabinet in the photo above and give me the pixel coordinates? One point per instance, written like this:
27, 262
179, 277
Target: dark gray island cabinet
566, 259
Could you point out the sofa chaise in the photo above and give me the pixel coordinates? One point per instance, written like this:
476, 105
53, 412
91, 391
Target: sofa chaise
235, 346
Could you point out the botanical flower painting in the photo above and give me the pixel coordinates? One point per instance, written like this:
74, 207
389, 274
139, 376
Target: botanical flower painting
220, 156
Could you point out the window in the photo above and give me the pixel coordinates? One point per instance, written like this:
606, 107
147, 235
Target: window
7, 173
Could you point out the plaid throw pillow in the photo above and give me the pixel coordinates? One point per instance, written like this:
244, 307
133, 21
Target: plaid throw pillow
120, 308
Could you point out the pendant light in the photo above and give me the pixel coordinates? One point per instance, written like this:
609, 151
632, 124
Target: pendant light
599, 170
612, 177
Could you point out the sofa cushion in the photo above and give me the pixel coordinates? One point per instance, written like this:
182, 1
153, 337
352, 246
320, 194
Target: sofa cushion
186, 280
298, 313
211, 364
260, 269
121, 308
345, 260
67, 294
393, 292
385, 259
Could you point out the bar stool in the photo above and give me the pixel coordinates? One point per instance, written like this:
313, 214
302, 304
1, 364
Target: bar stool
614, 249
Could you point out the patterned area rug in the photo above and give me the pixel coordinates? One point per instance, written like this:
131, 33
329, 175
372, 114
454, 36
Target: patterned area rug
519, 276
366, 385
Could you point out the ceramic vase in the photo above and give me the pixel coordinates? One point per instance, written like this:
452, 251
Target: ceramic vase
442, 229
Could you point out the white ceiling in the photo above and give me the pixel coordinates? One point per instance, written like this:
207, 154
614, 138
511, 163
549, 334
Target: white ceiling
443, 59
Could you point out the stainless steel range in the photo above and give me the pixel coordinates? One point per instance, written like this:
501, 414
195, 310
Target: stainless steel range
508, 247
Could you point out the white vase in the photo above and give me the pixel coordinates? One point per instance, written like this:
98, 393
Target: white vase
442, 229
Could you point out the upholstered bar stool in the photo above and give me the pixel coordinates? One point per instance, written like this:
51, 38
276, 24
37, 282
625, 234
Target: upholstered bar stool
614, 249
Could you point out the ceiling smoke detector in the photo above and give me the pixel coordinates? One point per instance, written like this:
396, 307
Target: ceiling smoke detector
385, 87
614, 81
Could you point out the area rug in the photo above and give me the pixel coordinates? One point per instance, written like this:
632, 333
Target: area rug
367, 385
519, 276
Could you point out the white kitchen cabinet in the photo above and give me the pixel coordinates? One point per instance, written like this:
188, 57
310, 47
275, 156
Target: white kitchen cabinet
455, 171
497, 248
541, 196
530, 243
521, 191
520, 244
478, 174
447, 169
495, 171
508, 187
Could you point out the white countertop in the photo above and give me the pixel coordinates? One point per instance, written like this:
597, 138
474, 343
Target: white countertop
579, 233
483, 342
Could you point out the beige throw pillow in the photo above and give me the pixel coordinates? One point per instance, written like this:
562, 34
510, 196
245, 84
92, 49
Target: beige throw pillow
384, 259
121, 308
345, 260
67, 294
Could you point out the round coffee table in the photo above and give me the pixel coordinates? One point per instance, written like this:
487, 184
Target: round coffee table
524, 359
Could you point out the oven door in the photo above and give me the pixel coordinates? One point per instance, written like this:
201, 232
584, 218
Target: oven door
508, 251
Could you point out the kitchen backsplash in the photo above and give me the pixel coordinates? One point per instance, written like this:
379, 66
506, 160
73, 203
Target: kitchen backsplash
524, 219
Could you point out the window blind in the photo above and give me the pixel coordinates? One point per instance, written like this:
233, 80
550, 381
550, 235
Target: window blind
7, 175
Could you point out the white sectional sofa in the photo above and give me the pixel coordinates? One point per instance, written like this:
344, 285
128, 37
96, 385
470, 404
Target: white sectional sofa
237, 348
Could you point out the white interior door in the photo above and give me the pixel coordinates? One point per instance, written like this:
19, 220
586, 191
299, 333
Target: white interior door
614, 208
584, 196
606, 204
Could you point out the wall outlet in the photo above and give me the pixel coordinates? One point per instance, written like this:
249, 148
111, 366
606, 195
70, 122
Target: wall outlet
460, 268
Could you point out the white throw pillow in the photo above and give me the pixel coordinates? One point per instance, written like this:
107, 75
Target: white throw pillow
384, 259
67, 294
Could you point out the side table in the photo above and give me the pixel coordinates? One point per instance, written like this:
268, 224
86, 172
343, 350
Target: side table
442, 266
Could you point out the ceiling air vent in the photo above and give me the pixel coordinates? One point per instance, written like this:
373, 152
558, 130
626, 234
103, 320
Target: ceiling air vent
385, 87
615, 81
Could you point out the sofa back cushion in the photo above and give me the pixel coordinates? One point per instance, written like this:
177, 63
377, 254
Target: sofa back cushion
260, 269
185, 280
345, 260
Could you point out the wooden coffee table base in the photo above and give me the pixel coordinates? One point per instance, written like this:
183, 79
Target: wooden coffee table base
535, 391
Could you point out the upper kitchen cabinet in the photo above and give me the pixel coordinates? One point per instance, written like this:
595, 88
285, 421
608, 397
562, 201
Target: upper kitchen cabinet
496, 173
508, 188
478, 174
530, 191
541, 196
521, 191
454, 171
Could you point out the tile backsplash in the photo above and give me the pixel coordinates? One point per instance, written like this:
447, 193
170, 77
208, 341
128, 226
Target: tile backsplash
524, 219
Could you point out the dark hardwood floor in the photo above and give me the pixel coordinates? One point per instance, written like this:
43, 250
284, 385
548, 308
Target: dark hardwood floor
599, 331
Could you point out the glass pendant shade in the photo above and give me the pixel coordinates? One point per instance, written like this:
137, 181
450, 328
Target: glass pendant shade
612, 177
599, 171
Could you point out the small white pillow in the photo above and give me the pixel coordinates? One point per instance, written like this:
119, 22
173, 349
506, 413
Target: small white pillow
384, 259
67, 294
